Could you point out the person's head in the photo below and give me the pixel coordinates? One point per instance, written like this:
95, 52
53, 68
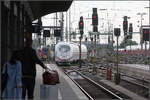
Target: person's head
28, 42
14, 57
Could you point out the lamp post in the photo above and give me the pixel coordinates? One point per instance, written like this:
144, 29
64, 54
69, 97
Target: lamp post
141, 14
80, 63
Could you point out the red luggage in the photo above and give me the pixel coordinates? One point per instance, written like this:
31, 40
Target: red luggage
50, 77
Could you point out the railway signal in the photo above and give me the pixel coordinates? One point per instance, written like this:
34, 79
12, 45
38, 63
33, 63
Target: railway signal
95, 29
81, 25
146, 33
46, 33
125, 25
39, 26
57, 33
94, 17
95, 20
81, 28
117, 32
130, 31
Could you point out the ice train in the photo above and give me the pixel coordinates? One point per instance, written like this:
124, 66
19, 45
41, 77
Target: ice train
68, 52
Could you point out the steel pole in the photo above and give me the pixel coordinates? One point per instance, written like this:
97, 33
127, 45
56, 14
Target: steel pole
130, 46
69, 25
117, 56
80, 65
45, 41
124, 41
62, 26
56, 26
94, 60
66, 27
117, 75
95, 48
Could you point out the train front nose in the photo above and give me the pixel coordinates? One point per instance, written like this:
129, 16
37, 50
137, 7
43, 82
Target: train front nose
63, 53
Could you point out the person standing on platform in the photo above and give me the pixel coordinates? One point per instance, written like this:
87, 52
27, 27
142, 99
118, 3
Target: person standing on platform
13, 89
29, 60
49, 53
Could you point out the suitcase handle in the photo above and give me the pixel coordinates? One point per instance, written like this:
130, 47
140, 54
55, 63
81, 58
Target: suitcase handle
50, 69
47, 69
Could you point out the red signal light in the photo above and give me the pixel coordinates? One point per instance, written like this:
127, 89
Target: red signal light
125, 22
81, 23
94, 17
146, 32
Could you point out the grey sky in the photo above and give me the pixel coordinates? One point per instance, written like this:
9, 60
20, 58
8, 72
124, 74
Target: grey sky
115, 9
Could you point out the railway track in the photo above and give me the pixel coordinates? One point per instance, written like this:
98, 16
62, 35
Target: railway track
141, 82
92, 89
136, 86
138, 81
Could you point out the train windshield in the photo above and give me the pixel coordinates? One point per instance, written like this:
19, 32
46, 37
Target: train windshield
64, 48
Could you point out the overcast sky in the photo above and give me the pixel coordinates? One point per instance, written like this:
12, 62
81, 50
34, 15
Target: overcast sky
115, 10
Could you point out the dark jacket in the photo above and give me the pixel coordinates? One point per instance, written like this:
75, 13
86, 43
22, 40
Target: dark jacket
29, 60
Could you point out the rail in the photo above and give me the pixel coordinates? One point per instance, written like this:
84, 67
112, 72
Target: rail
79, 86
100, 86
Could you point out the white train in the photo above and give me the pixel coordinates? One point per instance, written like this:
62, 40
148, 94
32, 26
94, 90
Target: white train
68, 52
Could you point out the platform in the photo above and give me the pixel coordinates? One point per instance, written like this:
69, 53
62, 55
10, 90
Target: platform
138, 66
136, 70
67, 90
123, 90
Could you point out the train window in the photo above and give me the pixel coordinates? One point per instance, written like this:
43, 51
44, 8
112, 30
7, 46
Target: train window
64, 48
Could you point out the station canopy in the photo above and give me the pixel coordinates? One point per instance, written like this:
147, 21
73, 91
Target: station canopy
41, 8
